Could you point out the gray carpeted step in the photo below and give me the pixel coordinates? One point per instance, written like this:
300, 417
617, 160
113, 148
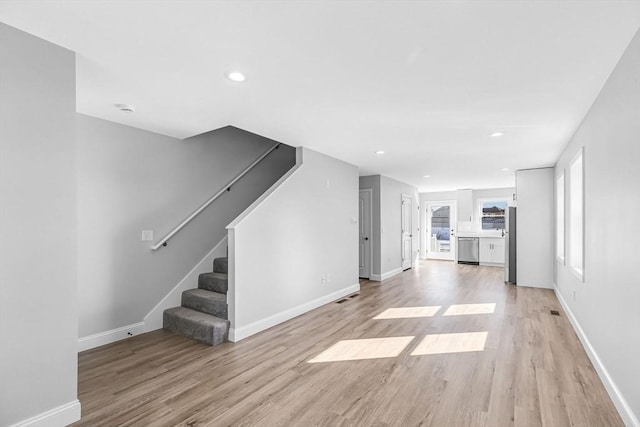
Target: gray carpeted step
201, 327
206, 301
221, 265
215, 282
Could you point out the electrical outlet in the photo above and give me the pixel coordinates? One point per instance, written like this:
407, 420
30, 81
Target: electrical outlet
323, 279
147, 235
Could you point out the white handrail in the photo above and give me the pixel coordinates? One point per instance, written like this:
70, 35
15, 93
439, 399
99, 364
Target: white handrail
163, 241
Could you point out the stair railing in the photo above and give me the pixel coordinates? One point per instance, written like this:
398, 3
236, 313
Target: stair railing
165, 239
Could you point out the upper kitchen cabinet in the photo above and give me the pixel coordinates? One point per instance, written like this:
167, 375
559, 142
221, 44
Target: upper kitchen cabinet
465, 205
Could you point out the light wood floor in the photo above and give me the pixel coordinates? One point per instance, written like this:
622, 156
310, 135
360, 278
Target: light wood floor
532, 370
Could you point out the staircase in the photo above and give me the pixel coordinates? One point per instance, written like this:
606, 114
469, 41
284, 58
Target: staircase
203, 314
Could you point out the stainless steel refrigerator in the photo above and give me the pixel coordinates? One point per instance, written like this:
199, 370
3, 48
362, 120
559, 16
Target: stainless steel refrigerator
510, 246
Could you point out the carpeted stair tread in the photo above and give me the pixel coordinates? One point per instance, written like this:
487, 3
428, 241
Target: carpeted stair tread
215, 282
221, 265
202, 327
206, 301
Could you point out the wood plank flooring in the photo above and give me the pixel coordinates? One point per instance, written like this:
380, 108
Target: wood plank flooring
531, 369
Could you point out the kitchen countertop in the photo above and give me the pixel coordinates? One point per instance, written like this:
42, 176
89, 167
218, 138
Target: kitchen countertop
484, 233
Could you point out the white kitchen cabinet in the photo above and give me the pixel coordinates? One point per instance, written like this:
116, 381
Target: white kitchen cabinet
465, 205
492, 251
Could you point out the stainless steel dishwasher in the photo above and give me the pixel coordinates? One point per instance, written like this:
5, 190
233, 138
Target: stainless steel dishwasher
468, 250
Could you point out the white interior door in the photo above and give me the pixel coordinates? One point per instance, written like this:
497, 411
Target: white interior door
364, 226
407, 237
441, 230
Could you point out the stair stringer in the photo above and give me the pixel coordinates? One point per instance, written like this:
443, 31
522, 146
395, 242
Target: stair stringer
153, 320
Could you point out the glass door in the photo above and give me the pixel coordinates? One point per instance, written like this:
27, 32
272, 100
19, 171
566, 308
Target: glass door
441, 241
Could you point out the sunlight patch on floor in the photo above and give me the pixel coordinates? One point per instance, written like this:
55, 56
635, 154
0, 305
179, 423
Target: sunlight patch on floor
372, 348
408, 312
451, 343
464, 309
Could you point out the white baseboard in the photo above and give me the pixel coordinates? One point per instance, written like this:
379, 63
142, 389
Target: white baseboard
107, 337
385, 276
237, 334
630, 419
533, 285
153, 320
63, 415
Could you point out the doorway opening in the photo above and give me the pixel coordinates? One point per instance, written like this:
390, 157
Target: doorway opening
441, 241
365, 233
407, 233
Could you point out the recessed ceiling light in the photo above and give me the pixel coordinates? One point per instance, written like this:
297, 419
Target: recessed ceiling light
126, 108
379, 152
236, 76
427, 176
495, 134
504, 169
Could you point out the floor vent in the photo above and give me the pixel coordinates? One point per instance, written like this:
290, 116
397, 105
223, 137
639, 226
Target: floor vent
341, 301
555, 312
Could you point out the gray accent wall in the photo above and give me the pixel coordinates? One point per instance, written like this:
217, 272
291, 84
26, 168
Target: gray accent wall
38, 265
606, 305
131, 180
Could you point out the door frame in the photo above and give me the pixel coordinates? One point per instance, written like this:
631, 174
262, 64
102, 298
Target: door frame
453, 224
370, 191
411, 260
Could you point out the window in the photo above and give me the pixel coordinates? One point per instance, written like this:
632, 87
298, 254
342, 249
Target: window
492, 214
576, 215
560, 217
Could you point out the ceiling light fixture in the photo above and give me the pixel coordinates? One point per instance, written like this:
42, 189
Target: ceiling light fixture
496, 134
126, 108
236, 76
504, 169
379, 152
427, 176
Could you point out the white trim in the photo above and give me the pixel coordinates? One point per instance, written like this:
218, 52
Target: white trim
153, 319
237, 334
63, 415
107, 337
385, 276
533, 285
627, 415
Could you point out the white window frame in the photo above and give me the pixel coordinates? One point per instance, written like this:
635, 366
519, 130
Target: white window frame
491, 199
561, 247
576, 201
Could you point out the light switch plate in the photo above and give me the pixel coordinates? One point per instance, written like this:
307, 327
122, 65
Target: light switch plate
147, 235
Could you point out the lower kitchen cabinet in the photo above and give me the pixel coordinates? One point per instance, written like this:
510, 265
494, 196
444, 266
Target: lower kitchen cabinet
492, 251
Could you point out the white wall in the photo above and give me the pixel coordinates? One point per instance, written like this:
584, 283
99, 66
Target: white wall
131, 180
279, 249
38, 264
391, 192
534, 224
605, 308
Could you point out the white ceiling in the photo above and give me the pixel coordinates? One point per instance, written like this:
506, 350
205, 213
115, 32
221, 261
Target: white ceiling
426, 82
